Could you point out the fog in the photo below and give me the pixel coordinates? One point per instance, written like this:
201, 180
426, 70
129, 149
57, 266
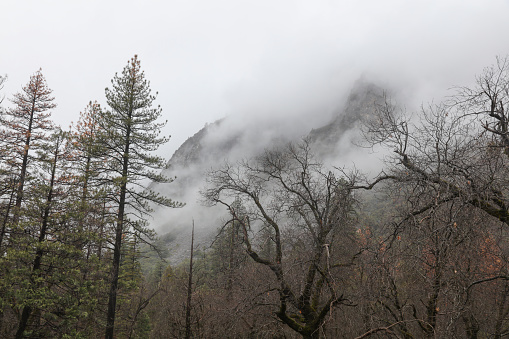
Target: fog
273, 70
210, 59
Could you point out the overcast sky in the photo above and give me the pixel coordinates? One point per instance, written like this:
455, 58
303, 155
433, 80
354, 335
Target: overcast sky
214, 58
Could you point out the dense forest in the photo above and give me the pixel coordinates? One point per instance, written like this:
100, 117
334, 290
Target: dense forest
306, 250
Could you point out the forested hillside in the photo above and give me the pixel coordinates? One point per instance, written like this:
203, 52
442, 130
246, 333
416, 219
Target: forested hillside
298, 243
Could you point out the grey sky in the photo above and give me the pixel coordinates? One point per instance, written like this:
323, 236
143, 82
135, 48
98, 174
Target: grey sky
213, 58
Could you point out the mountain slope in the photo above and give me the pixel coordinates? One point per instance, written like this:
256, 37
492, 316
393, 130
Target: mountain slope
222, 140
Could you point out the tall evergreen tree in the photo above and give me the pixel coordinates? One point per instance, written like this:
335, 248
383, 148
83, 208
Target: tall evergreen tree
24, 130
92, 176
131, 134
26, 125
44, 265
44, 215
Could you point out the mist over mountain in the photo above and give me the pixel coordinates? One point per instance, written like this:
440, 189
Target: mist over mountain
231, 140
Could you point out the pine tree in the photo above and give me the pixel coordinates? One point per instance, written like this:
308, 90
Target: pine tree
26, 127
91, 177
46, 268
45, 260
92, 220
131, 134
46, 209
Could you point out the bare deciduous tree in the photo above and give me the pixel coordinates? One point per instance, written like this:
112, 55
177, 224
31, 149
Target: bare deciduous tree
449, 167
308, 211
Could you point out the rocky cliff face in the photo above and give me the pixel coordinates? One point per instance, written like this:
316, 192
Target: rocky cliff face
360, 106
219, 141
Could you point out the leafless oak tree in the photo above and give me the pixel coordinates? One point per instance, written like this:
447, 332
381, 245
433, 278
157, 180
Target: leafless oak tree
287, 191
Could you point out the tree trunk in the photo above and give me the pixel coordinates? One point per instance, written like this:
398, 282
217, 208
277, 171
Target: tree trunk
21, 182
112, 296
6, 216
190, 288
